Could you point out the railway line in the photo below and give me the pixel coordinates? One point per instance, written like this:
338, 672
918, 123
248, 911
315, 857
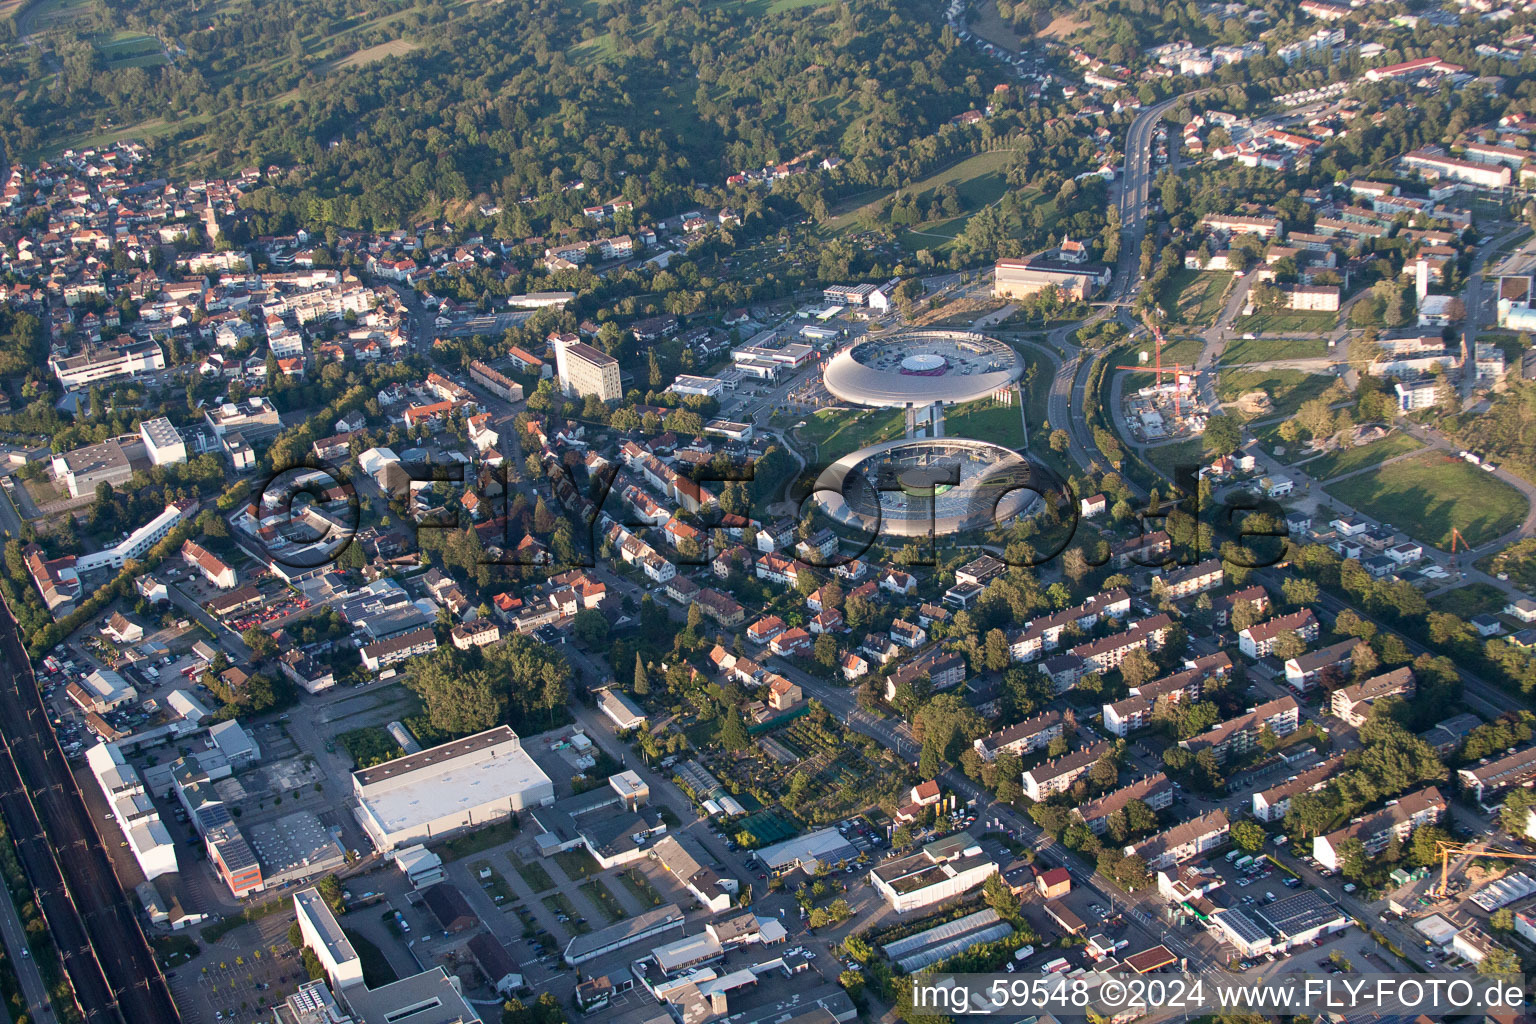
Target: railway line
92, 922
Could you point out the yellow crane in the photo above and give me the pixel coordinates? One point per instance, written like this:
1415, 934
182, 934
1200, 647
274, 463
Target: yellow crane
1477, 849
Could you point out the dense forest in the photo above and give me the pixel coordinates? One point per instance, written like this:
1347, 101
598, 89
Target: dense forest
641, 98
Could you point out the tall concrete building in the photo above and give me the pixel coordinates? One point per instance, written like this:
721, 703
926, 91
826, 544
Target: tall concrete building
585, 371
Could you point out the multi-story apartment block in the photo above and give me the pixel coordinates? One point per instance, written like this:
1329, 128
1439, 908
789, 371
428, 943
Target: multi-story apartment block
1156, 791
585, 371
1489, 777
1135, 712
1375, 831
1108, 652
1182, 842
1034, 733
1237, 735
1189, 581
1052, 777
1353, 703
1272, 803
1044, 634
1259, 639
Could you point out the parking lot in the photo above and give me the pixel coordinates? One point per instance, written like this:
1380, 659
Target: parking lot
240, 976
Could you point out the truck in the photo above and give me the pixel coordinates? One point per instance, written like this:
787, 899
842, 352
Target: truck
1056, 966
1024, 953
1243, 862
1232, 855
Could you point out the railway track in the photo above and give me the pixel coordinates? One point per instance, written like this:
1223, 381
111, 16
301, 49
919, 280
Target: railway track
105, 953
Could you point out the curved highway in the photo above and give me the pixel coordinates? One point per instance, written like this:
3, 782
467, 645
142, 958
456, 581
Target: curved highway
109, 962
1070, 385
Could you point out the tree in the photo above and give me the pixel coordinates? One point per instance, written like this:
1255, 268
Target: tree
1075, 564
331, 891
1249, 835
996, 654
1138, 668
642, 685
733, 731
1502, 920
1104, 772
1222, 434
1288, 645
1499, 960
825, 651
590, 627
999, 895
1299, 591
260, 642
1516, 806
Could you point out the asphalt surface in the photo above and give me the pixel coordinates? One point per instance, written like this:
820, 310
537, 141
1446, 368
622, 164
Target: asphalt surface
92, 922
31, 979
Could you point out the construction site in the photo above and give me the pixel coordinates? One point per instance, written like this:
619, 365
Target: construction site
1456, 908
1167, 406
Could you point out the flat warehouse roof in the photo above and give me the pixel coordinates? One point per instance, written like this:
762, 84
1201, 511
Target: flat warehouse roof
457, 786
434, 755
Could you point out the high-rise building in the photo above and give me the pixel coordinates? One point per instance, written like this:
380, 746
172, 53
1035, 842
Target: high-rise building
585, 371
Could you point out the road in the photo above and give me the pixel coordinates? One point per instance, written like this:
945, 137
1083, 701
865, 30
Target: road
31, 978
1472, 298
92, 922
227, 638
1143, 907
1069, 387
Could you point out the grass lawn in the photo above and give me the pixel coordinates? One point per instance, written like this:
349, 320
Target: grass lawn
479, 841
1472, 599
604, 900
978, 180
577, 864
1285, 321
534, 874
43, 491
131, 49
494, 884
1347, 460
836, 432
1168, 457
1176, 351
557, 903
986, 420
1263, 350
642, 889
1193, 296
1429, 494
1287, 389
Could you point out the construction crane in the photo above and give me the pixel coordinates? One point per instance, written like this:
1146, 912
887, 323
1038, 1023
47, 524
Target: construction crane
1457, 538
1157, 371
1446, 849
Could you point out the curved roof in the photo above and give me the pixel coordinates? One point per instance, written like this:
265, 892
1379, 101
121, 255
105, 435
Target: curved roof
853, 380
998, 493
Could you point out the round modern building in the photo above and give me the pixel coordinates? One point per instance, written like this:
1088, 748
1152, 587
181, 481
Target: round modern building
939, 486
922, 367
